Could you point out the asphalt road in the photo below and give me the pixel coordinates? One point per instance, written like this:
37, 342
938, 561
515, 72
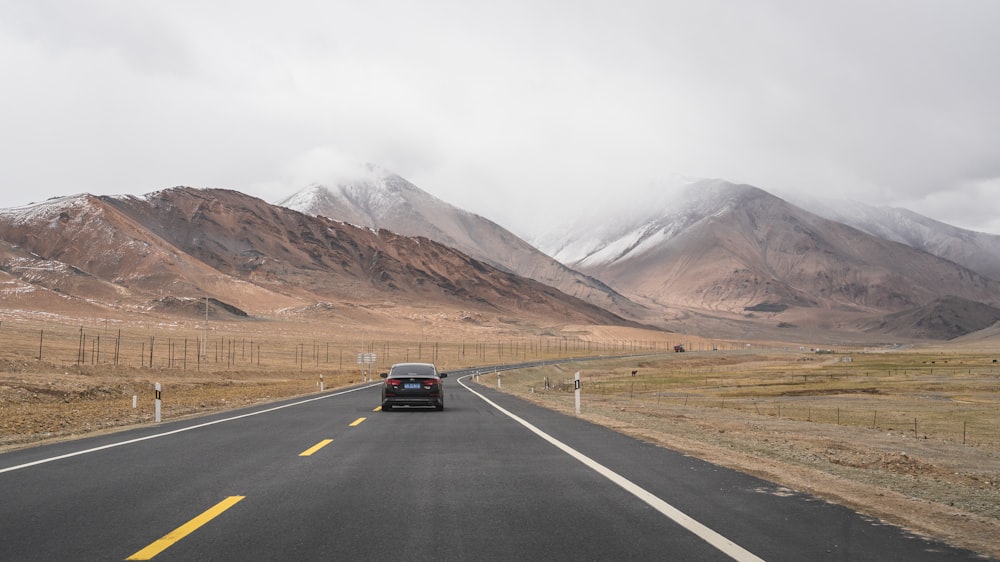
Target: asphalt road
469, 483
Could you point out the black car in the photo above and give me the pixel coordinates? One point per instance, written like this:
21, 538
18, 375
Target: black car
413, 384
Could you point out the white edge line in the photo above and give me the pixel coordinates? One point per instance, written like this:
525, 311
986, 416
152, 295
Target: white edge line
181, 430
733, 550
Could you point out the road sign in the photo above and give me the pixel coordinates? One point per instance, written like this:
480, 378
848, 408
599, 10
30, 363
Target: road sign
369, 360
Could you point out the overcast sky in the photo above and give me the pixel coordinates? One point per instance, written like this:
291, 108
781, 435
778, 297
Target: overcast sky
516, 110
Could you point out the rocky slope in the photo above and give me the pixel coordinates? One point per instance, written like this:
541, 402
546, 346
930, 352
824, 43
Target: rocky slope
716, 247
380, 199
977, 251
130, 252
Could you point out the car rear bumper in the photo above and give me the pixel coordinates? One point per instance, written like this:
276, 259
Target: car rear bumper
412, 401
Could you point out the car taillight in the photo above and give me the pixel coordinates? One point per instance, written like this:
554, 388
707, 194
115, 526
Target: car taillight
430, 382
393, 382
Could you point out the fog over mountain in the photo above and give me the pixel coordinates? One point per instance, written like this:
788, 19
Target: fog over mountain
689, 255
676, 200
735, 249
377, 198
129, 254
689, 247
978, 251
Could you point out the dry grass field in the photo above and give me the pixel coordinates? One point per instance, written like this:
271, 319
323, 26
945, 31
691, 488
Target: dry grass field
911, 436
59, 380
907, 436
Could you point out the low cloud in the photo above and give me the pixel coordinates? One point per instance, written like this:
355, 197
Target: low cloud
515, 110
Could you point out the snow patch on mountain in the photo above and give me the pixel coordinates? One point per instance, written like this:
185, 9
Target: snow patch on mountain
386, 200
304, 198
642, 223
975, 250
378, 199
48, 208
606, 252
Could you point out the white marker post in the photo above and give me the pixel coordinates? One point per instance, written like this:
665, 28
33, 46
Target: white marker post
498, 380
321, 382
157, 416
576, 391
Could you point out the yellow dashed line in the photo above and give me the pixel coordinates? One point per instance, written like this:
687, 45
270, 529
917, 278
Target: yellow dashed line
184, 530
316, 447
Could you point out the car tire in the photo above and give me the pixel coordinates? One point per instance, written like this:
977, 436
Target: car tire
386, 407
439, 407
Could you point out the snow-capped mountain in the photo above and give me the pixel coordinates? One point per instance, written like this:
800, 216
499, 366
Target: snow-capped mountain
703, 256
687, 248
380, 199
163, 251
637, 223
383, 200
715, 246
666, 207
977, 251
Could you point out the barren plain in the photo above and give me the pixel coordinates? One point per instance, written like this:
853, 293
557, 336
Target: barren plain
906, 435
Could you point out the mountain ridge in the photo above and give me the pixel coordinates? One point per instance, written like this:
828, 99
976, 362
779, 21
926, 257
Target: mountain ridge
257, 257
382, 199
978, 251
729, 259
731, 248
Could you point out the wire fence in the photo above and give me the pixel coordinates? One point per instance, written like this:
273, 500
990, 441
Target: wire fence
265, 347
957, 404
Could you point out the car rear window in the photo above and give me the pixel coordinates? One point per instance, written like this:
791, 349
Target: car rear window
413, 371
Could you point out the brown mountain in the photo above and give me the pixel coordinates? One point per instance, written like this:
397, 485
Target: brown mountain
379, 199
738, 251
943, 318
733, 261
137, 253
977, 251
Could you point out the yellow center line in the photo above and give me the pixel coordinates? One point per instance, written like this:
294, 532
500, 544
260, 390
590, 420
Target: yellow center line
357, 422
377, 409
184, 530
315, 447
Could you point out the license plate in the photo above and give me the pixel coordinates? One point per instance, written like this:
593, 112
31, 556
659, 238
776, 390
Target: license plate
411, 385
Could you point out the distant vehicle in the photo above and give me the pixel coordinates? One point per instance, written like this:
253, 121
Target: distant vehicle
679, 349
413, 384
